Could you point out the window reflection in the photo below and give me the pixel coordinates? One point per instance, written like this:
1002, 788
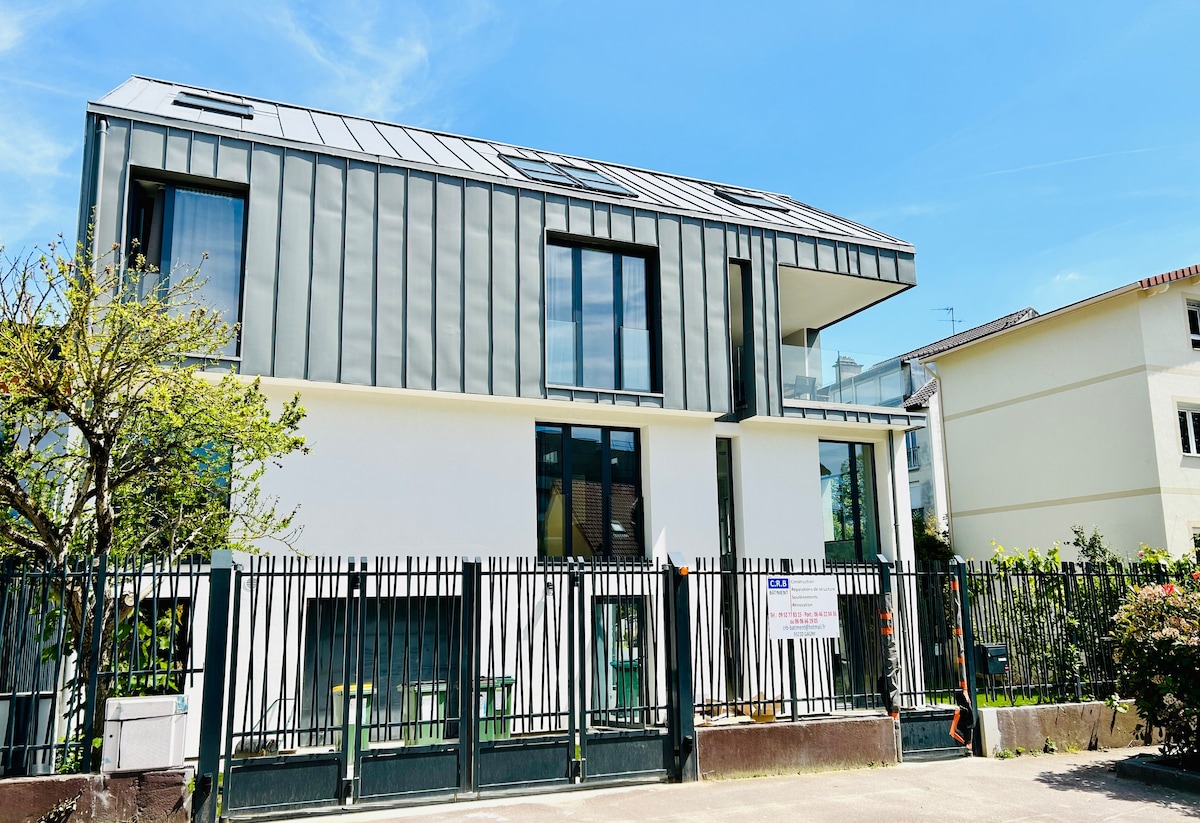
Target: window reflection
848, 505
588, 492
598, 315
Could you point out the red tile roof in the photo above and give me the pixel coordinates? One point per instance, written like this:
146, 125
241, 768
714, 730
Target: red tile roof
1170, 277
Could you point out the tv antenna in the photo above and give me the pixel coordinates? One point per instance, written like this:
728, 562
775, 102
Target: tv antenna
953, 323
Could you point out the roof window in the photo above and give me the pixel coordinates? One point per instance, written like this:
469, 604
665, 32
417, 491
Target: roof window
567, 176
748, 199
205, 102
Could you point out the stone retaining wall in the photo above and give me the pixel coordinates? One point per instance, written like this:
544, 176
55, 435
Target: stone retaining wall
749, 750
1084, 726
144, 797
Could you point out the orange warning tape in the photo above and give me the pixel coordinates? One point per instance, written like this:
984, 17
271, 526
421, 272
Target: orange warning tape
954, 727
885, 615
886, 630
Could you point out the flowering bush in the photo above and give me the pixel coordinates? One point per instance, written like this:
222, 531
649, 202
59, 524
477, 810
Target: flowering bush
1157, 633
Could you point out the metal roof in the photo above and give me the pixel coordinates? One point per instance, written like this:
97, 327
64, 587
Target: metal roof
330, 133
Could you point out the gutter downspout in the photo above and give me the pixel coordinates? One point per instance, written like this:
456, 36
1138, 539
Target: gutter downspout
94, 221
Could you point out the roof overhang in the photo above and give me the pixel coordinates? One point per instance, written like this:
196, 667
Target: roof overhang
811, 299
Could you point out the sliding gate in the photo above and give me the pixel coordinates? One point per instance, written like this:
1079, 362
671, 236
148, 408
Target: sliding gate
417, 678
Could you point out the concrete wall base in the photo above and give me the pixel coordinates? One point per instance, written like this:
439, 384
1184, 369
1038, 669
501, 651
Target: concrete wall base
142, 797
788, 748
1089, 726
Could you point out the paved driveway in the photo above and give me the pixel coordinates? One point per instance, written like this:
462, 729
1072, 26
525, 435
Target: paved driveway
1066, 787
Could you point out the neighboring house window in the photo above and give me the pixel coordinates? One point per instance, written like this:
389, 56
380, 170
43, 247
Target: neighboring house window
848, 502
176, 226
1194, 323
913, 449
1189, 430
599, 333
589, 492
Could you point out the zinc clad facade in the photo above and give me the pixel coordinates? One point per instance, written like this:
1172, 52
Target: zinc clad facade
387, 274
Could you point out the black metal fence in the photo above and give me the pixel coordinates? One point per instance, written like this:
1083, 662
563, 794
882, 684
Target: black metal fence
341, 679
1056, 625
741, 671
72, 636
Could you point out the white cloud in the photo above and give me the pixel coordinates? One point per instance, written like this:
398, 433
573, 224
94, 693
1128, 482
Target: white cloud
377, 58
18, 20
1065, 278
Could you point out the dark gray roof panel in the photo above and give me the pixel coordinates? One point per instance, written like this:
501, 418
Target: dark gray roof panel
945, 344
341, 133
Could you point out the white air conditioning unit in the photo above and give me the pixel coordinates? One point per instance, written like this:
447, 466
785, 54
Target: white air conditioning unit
142, 733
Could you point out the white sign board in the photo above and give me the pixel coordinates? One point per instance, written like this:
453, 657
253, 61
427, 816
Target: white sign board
802, 607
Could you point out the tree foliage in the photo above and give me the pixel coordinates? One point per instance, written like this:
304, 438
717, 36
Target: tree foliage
1158, 648
118, 436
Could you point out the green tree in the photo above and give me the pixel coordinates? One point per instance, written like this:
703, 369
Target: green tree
120, 435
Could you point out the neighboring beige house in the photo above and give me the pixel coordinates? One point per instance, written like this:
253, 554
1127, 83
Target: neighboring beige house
1086, 415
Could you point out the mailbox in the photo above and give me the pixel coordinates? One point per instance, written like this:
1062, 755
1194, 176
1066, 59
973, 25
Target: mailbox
991, 658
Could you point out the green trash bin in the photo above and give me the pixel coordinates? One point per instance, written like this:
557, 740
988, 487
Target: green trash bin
364, 733
628, 678
423, 711
495, 708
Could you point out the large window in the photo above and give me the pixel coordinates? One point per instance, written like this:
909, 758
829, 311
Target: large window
599, 333
589, 492
175, 227
848, 503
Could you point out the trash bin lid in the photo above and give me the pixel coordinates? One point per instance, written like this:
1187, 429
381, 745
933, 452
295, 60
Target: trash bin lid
367, 688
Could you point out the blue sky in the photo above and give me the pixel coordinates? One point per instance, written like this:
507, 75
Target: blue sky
1034, 153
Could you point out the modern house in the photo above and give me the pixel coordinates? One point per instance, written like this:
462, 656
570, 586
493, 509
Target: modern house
510, 352
1087, 415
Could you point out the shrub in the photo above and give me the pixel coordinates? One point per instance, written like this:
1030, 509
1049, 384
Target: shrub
1157, 635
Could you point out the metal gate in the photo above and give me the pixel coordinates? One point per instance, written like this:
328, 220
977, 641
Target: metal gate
416, 678
934, 634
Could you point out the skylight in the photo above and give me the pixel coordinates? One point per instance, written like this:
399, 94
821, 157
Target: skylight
538, 170
596, 181
748, 199
207, 103
571, 176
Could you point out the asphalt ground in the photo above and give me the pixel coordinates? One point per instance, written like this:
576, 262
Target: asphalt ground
1066, 787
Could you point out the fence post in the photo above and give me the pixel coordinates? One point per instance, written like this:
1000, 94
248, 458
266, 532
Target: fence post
962, 578
785, 566
1069, 602
681, 709
212, 699
468, 675
91, 755
891, 651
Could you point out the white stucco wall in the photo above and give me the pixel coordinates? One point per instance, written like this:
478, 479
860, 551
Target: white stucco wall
1072, 420
417, 473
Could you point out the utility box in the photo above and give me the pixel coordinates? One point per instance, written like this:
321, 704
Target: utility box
991, 658
142, 733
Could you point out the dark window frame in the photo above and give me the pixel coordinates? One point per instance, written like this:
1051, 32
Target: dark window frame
856, 503
653, 310
1193, 314
566, 476
1189, 430
145, 232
